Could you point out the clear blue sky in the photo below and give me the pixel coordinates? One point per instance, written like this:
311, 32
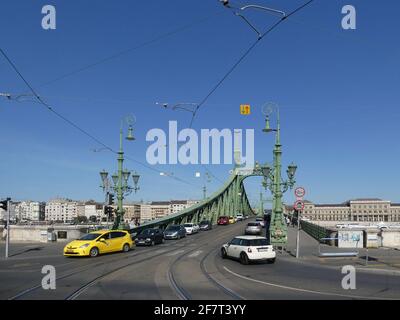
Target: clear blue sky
338, 91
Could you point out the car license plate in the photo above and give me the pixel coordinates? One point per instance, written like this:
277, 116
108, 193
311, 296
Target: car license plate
262, 249
69, 252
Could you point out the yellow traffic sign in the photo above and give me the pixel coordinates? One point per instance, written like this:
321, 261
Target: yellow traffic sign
245, 109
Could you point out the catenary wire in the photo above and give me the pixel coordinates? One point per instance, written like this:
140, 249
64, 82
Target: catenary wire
123, 52
243, 56
52, 110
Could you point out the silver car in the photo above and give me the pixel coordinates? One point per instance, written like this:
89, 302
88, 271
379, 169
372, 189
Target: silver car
253, 228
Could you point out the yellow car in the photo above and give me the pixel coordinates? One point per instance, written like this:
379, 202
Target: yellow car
231, 220
98, 242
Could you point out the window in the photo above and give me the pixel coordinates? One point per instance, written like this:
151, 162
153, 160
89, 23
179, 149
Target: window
89, 236
117, 234
259, 242
235, 241
105, 236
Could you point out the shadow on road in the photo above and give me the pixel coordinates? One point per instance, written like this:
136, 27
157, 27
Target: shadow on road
27, 250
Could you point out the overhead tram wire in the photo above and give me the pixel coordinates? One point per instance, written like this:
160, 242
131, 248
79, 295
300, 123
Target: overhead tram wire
244, 55
139, 46
71, 123
48, 107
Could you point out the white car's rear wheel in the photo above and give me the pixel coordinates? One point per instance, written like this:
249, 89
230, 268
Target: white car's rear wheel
244, 259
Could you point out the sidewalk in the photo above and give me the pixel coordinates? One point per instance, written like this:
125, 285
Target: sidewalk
380, 259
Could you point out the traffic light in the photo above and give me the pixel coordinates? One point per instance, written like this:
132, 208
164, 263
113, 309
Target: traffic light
4, 204
110, 199
108, 211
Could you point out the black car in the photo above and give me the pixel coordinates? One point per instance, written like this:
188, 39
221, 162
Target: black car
149, 237
175, 232
205, 225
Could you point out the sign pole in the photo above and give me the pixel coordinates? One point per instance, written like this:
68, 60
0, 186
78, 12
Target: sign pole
299, 192
8, 227
298, 234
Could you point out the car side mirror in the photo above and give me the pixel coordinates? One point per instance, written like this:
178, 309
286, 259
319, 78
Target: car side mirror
102, 240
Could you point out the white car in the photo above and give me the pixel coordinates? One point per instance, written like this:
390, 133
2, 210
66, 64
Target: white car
239, 217
191, 228
249, 248
261, 222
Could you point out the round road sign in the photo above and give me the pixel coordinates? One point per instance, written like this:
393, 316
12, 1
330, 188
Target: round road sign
299, 192
299, 205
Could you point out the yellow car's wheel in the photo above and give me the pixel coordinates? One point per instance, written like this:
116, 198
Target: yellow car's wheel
94, 252
126, 247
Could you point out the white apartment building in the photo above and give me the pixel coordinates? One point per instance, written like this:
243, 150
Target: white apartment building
146, 213
178, 205
160, 209
61, 210
30, 210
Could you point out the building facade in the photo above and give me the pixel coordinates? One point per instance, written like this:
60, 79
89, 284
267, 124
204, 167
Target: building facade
30, 211
61, 210
178, 205
360, 210
146, 213
160, 209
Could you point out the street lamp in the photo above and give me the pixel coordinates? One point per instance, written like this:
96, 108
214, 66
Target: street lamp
135, 178
274, 181
121, 178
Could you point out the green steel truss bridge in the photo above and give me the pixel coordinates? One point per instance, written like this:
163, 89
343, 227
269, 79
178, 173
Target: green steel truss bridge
229, 200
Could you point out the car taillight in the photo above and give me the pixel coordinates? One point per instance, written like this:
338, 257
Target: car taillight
249, 250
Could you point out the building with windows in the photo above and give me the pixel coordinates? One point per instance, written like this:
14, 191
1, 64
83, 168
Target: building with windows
178, 205
30, 211
164, 208
360, 210
61, 210
146, 213
160, 209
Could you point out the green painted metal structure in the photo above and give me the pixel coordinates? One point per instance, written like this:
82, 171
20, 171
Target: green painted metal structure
229, 200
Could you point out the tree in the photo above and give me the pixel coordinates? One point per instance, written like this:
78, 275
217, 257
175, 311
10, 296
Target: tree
93, 219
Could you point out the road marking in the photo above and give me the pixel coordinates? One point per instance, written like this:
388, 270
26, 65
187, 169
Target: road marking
195, 254
174, 253
305, 290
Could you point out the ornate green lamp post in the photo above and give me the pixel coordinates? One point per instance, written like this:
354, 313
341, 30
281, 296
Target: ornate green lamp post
120, 179
273, 181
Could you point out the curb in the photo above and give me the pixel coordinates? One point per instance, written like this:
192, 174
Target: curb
361, 269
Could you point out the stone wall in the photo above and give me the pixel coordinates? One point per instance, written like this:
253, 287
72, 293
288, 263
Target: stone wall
41, 233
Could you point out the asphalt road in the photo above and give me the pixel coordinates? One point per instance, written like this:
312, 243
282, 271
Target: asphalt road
189, 268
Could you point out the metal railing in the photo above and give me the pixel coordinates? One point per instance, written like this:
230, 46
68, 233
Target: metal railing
315, 231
